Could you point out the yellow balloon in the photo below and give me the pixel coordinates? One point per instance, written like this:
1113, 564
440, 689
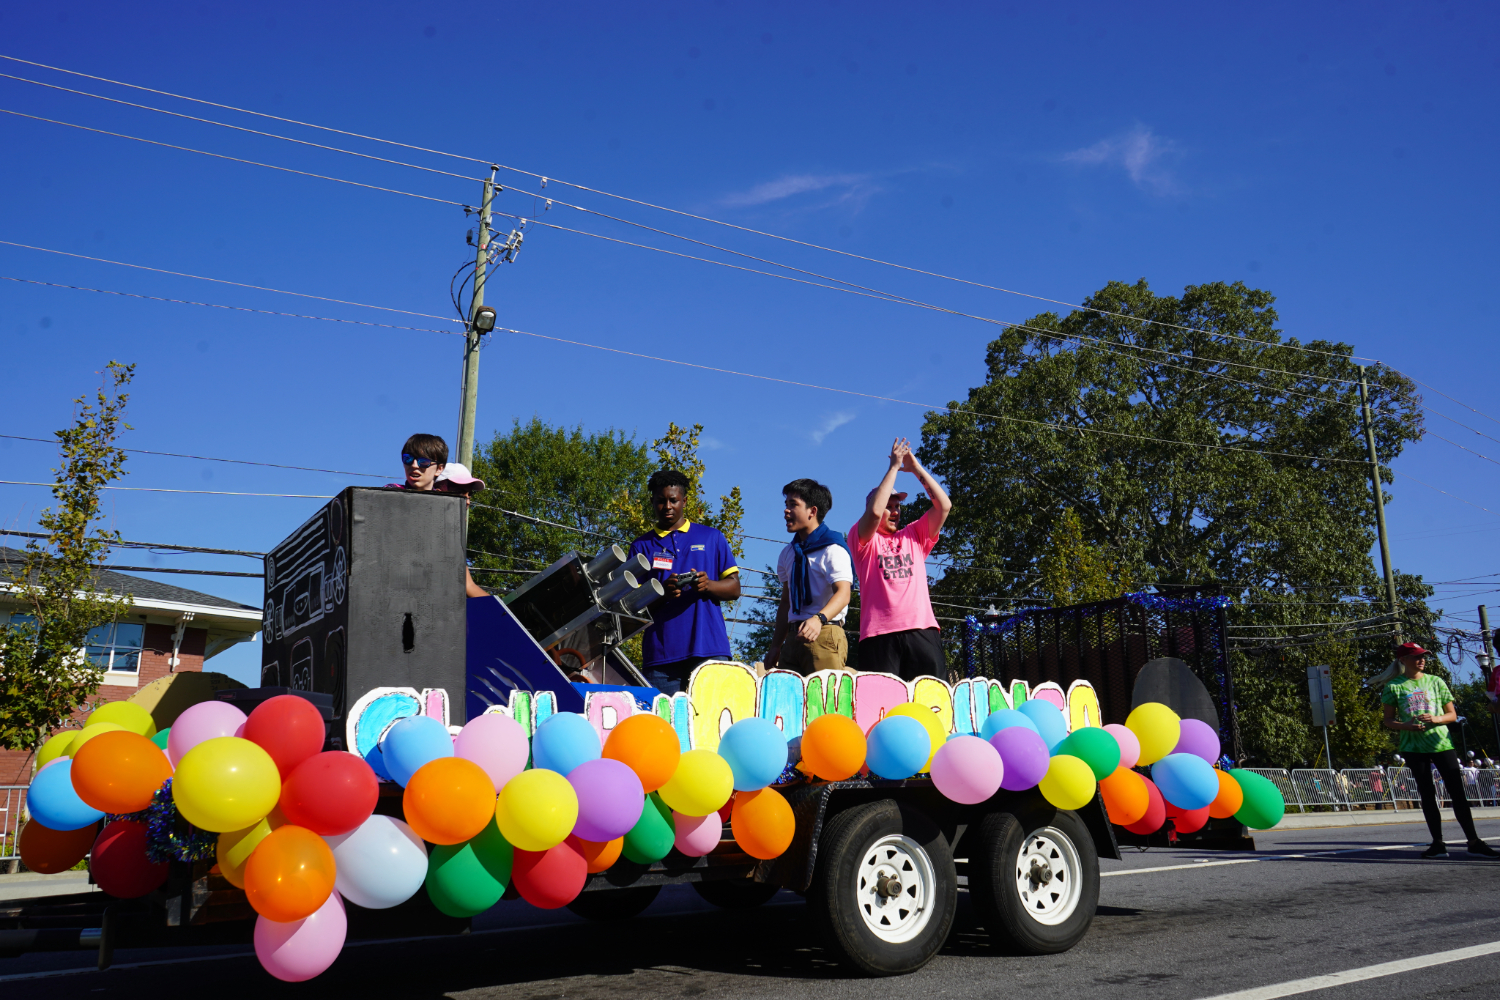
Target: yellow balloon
1069, 782
236, 847
1157, 727
87, 733
929, 720
536, 810
55, 747
226, 784
127, 714
701, 784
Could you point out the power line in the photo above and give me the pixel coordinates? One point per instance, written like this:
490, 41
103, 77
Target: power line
190, 572
149, 545
209, 458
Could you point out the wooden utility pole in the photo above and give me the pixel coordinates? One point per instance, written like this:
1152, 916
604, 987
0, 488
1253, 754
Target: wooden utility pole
472, 336
1385, 545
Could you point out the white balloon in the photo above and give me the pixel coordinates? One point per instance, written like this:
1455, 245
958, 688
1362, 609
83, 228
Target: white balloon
380, 864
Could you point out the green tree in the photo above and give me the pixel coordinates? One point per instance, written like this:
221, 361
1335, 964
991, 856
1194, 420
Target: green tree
1084, 412
44, 674
678, 449
760, 609
565, 476
1072, 570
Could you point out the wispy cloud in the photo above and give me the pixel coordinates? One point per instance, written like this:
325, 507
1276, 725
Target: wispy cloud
844, 188
831, 423
1141, 153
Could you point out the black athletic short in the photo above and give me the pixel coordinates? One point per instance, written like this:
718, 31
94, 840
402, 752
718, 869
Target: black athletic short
913, 653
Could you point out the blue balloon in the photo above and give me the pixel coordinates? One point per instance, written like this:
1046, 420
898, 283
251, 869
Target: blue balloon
412, 742
1003, 719
53, 803
1050, 724
563, 742
897, 747
755, 750
377, 763
1186, 780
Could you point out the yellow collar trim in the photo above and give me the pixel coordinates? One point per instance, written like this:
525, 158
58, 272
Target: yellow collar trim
686, 524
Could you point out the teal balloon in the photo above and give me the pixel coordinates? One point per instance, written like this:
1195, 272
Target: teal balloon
1263, 806
1096, 748
653, 835
466, 879
897, 747
1050, 724
1003, 719
160, 739
755, 750
1186, 780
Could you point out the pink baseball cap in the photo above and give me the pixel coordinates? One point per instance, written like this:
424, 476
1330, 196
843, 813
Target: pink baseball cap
898, 497
459, 479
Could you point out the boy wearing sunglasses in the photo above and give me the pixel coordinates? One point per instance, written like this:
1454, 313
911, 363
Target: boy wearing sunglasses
425, 459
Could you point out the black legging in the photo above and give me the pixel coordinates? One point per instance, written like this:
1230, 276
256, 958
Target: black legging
1446, 761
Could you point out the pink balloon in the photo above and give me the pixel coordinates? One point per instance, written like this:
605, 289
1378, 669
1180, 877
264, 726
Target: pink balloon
496, 743
1130, 746
297, 951
207, 720
1025, 756
967, 770
610, 799
697, 835
1199, 739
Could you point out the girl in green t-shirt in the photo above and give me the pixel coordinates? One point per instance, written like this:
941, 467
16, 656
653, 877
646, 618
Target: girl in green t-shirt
1420, 707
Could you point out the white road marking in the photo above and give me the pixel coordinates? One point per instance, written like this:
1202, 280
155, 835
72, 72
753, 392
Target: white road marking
1358, 975
1251, 861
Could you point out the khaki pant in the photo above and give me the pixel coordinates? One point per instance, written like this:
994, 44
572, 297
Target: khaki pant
829, 651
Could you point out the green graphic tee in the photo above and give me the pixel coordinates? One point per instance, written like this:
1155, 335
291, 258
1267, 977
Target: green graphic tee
1425, 695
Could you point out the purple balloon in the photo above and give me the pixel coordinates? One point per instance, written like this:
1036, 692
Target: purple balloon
610, 799
1199, 739
1025, 756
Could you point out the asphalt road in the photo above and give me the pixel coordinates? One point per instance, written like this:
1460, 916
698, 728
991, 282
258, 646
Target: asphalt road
1171, 924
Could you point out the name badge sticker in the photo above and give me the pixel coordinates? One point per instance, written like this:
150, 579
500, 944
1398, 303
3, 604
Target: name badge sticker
662, 560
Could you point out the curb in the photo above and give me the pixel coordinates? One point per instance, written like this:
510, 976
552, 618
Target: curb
1375, 817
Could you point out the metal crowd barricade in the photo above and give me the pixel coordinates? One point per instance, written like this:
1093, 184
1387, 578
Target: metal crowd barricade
1283, 781
1403, 785
12, 799
1489, 787
1319, 787
1367, 786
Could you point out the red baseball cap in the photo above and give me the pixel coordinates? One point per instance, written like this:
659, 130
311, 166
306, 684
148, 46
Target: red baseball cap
1411, 649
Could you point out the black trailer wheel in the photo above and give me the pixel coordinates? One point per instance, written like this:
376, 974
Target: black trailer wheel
1035, 879
736, 893
885, 890
614, 904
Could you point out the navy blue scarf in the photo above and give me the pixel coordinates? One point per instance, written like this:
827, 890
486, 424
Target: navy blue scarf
820, 537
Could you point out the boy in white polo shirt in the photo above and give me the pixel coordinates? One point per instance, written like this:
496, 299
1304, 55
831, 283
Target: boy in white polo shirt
816, 575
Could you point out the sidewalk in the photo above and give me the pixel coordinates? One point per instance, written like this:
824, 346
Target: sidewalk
30, 885
1371, 817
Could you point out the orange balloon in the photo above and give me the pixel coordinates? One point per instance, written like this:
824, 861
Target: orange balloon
762, 823
1231, 796
119, 772
290, 874
52, 851
598, 856
1125, 796
449, 800
648, 745
833, 747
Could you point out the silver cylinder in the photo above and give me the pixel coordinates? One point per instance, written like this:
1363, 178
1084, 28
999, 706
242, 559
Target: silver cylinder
616, 589
604, 562
639, 565
638, 600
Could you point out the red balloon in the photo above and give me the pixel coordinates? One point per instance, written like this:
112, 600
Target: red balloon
551, 878
329, 793
1156, 812
119, 864
1187, 820
288, 728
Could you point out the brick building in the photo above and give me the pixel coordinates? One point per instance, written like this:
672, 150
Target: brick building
168, 630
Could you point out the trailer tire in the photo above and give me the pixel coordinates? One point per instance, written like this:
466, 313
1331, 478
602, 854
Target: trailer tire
1034, 878
885, 890
614, 904
736, 893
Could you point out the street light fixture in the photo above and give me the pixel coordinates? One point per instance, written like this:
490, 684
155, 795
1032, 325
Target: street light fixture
484, 319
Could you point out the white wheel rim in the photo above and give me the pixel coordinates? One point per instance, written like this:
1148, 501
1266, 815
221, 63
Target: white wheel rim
1048, 876
894, 888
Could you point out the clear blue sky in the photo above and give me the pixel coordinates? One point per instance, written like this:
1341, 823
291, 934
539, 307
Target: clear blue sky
1341, 155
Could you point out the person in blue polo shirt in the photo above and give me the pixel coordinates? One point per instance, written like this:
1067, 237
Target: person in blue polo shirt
697, 568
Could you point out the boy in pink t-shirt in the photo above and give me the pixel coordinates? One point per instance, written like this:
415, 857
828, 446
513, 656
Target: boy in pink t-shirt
897, 631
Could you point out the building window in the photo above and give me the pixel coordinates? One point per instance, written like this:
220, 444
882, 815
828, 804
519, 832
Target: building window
116, 647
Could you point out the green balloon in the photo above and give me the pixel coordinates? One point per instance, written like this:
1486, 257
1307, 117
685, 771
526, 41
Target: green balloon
1095, 747
1263, 806
653, 834
466, 879
160, 739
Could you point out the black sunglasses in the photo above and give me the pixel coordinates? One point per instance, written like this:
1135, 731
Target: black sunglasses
420, 463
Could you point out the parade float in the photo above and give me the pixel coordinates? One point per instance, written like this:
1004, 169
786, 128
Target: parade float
413, 757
